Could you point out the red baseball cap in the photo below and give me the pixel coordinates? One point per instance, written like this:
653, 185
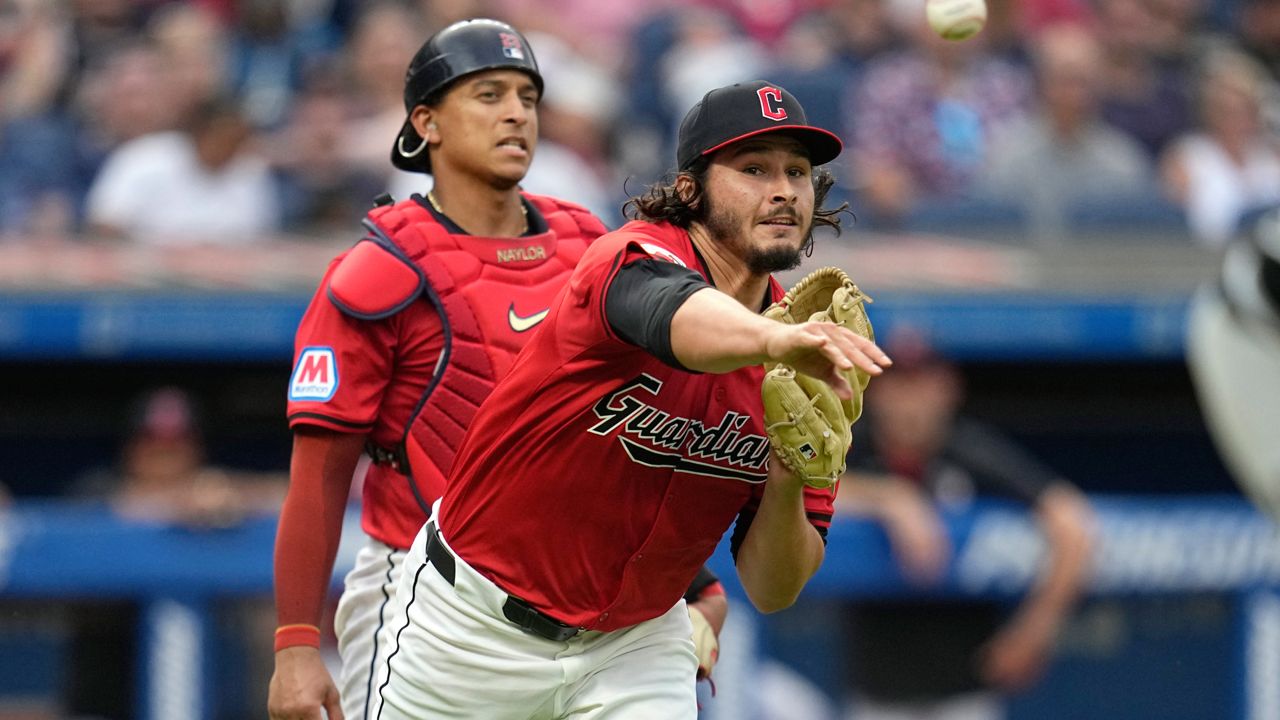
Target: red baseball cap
736, 112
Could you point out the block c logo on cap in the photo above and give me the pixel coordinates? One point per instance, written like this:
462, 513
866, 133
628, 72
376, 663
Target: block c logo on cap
771, 103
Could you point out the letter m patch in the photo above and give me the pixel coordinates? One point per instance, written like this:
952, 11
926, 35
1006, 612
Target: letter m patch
316, 375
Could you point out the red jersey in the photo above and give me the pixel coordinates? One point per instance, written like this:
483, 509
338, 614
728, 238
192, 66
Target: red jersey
596, 480
356, 373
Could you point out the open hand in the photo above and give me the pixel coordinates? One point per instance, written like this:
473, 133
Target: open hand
825, 351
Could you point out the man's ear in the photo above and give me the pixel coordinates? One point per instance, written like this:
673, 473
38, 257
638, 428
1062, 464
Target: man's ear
686, 188
423, 119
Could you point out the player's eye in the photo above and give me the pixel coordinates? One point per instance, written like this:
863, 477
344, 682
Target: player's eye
796, 172
753, 170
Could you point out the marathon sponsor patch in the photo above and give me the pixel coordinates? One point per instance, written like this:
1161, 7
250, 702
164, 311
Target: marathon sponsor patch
315, 377
662, 253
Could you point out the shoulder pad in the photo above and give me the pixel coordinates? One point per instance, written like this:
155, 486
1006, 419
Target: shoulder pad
374, 281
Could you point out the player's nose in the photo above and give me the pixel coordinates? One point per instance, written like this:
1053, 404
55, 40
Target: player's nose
515, 110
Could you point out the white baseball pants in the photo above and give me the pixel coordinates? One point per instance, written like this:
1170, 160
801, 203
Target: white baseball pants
454, 655
360, 624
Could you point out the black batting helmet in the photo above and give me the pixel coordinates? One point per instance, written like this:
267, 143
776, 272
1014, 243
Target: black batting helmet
465, 47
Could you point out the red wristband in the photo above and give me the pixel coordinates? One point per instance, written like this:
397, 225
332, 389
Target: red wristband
297, 634
715, 588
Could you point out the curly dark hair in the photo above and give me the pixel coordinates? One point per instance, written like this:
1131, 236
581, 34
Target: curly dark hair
660, 202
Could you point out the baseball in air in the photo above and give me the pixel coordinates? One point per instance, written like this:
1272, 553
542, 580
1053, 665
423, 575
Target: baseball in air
956, 19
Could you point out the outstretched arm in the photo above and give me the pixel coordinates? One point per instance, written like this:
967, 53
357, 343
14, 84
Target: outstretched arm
713, 332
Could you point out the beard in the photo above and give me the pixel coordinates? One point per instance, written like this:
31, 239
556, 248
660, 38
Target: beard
726, 227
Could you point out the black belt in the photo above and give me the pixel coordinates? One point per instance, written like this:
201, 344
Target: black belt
525, 616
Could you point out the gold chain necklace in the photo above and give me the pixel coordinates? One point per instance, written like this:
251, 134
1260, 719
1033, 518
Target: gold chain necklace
524, 212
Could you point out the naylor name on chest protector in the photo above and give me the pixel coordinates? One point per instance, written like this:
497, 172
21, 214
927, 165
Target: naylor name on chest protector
657, 438
474, 284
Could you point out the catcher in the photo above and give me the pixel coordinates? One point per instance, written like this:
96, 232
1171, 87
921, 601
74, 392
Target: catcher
631, 433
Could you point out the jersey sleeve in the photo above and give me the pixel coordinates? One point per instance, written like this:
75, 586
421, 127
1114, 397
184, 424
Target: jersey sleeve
819, 507
592, 280
642, 300
342, 366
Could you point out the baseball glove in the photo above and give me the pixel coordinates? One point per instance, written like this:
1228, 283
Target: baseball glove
807, 423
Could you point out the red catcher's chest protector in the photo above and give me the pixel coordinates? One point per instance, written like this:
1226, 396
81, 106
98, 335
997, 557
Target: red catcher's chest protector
490, 295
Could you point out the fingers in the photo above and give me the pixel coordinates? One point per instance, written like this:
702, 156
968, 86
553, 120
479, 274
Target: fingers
332, 706
840, 384
847, 349
828, 351
865, 354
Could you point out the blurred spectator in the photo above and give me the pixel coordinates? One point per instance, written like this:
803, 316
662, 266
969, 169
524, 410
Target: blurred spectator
34, 56
385, 38
47, 163
648, 122
938, 660
163, 475
321, 192
99, 26
709, 51
1005, 33
441, 13
816, 62
862, 29
597, 29
1143, 93
267, 60
677, 56
922, 118
1231, 166
39, 178
1174, 23
194, 47
1259, 32
1032, 16
131, 94
1064, 154
765, 22
202, 185
572, 157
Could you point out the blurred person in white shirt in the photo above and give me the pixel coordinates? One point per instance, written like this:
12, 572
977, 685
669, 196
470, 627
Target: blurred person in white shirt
1229, 167
205, 184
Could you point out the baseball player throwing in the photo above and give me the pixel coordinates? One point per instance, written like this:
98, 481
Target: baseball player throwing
408, 333
628, 436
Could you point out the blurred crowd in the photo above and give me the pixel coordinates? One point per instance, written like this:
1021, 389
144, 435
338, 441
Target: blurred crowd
237, 121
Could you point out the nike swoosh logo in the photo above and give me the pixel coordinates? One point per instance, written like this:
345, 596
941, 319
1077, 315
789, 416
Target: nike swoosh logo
521, 324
